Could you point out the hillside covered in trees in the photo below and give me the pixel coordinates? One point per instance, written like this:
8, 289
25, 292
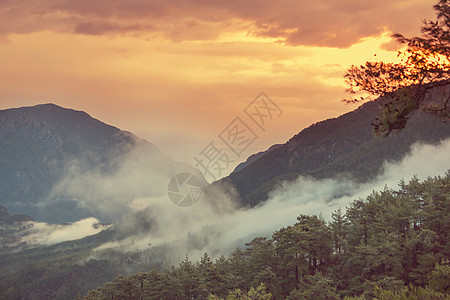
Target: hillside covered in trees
392, 245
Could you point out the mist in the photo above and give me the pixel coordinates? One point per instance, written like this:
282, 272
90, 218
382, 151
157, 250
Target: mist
48, 234
217, 226
148, 221
109, 192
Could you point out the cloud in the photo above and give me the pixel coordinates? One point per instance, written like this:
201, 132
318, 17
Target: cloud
154, 226
339, 23
102, 27
108, 192
215, 224
48, 234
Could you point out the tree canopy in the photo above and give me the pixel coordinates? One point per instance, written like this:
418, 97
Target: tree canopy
403, 88
391, 245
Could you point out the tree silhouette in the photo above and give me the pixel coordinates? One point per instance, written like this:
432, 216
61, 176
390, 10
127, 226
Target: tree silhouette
403, 88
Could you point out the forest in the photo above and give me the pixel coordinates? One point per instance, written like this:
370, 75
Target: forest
392, 245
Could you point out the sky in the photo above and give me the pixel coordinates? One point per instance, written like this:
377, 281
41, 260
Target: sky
179, 72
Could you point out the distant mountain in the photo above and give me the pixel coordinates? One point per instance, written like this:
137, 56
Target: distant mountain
343, 146
12, 228
7, 219
50, 158
254, 157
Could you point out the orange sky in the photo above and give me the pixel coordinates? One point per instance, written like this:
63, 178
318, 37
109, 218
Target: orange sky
178, 72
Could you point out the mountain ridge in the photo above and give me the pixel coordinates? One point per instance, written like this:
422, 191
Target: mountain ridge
336, 147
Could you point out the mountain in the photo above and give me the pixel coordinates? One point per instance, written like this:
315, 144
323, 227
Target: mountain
61, 165
12, 229
254, 157
343, 146
54, 161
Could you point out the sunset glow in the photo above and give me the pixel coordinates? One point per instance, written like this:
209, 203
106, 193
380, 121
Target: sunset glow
178, 72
